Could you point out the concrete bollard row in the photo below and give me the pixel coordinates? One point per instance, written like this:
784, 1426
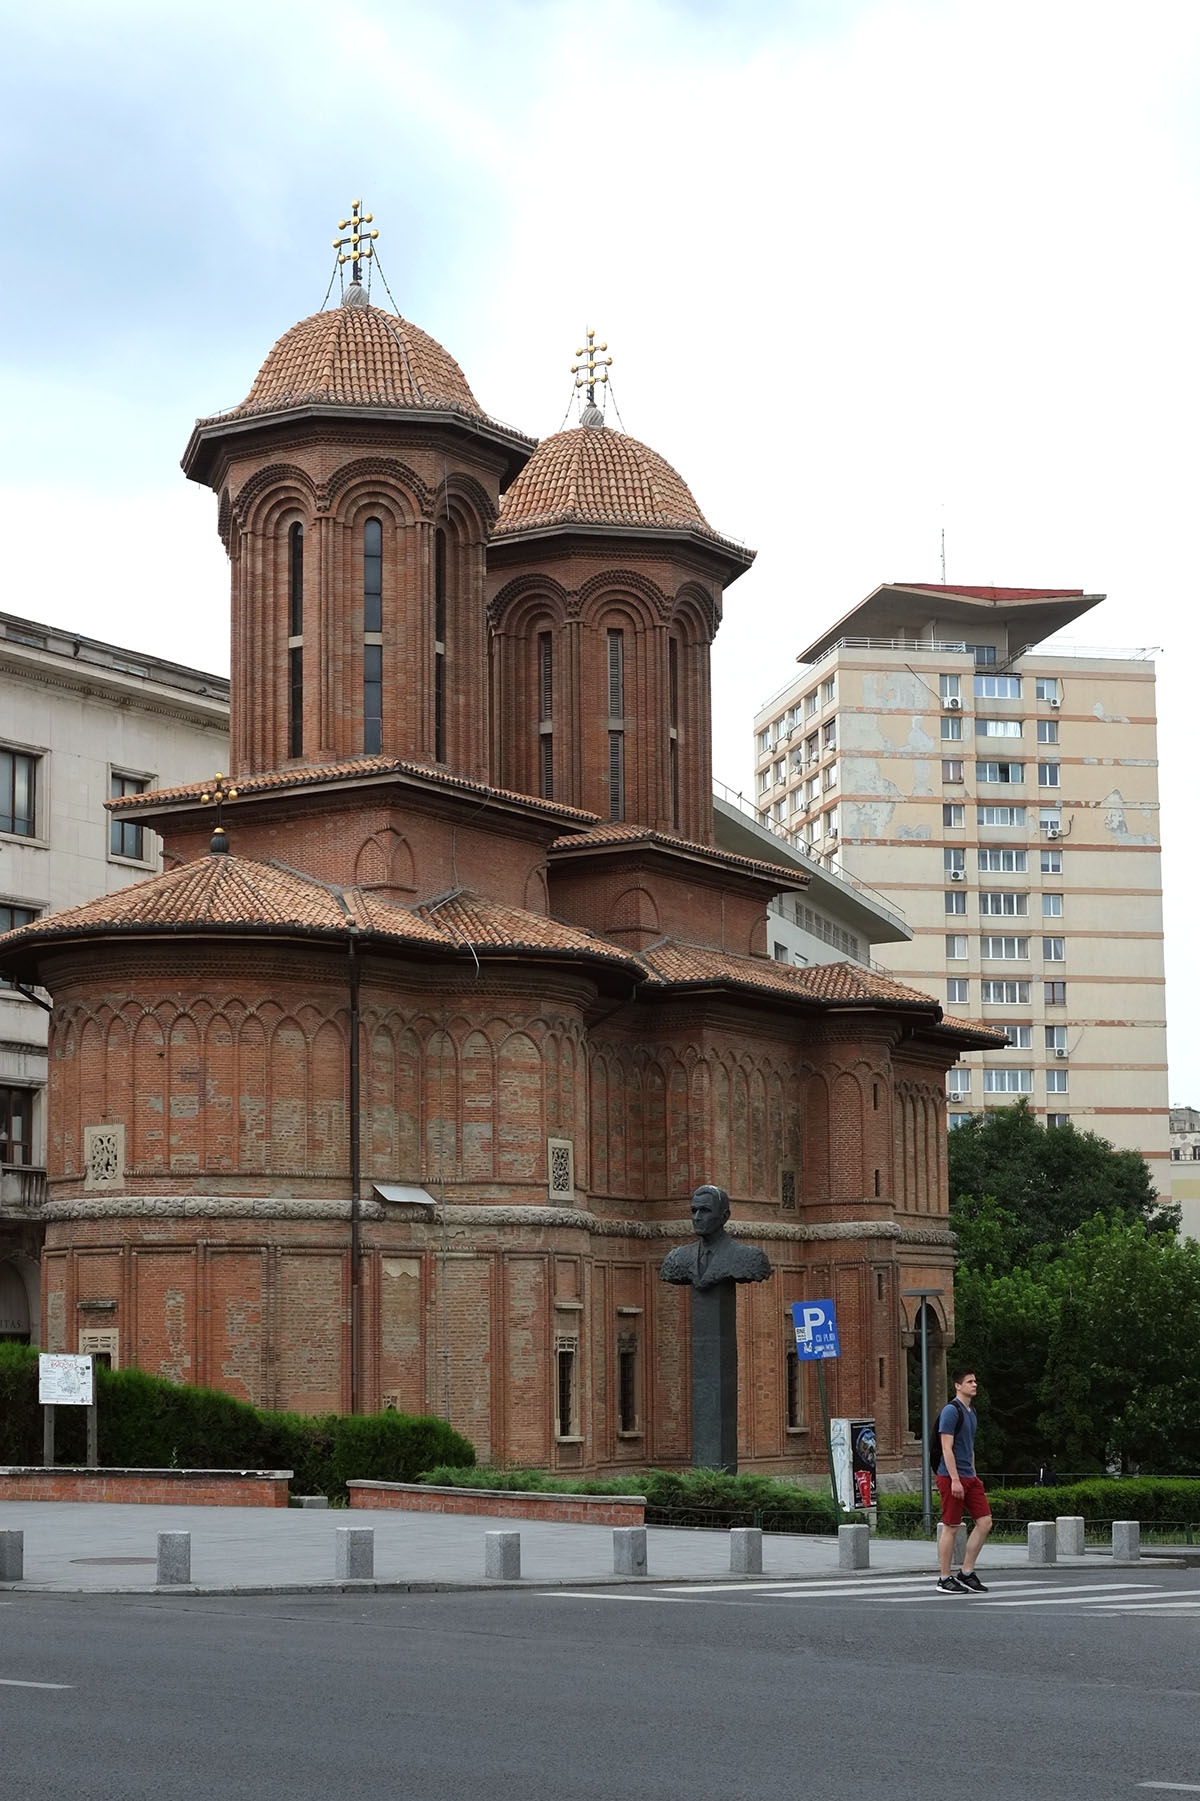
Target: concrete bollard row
174, 1559
1041, 1540
12, 1557
629, 1550
354, 1557
745, 1550
854, 1547
1068, 1535
502, 1556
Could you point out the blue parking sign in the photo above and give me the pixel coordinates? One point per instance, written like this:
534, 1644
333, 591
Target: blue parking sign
816, 1329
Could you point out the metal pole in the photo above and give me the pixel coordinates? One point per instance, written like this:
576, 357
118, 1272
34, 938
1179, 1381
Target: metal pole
837, 1506
48, 1436
926, 1477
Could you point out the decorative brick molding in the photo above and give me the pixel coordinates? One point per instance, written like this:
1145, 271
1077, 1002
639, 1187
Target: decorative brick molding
501, 1503
178, 1488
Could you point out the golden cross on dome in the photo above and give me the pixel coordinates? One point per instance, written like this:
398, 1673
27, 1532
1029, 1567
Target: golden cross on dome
595, 362
359, 239
213, 797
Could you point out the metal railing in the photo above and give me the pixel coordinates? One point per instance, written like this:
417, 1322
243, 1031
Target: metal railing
738, 798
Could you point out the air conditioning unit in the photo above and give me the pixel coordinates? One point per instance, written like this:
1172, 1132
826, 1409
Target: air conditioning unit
1055, 702
1054, 831
958, 875
952, 703
1060, 1053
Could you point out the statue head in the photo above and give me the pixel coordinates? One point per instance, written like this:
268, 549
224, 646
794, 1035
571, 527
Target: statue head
710, 1210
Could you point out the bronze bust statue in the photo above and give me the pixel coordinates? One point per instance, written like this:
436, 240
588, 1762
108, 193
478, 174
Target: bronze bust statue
714, 1257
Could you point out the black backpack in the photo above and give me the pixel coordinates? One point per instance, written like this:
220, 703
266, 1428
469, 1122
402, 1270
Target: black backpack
935, 1437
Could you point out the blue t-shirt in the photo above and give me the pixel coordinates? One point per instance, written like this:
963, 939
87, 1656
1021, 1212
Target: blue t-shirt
963, 1427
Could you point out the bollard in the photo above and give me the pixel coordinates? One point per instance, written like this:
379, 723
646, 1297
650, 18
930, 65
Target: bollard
354, 1559
1068, 1535
745, 1550
629, 1550
1041, 1542
1126, 1541
174, 1558
12, 1557
312, 1500
502, 1556
854, 1547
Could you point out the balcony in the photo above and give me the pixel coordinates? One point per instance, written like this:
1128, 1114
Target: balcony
23, 1191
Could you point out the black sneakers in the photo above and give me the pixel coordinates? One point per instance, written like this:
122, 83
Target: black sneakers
967, 1579
950, 1585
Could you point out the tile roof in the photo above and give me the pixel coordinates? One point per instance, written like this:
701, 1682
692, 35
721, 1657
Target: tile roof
357, 356
467, 917
673, 962
592, 476
353, 768
1015, 595
625, 832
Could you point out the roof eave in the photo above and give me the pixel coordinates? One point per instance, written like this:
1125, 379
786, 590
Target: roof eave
734, 558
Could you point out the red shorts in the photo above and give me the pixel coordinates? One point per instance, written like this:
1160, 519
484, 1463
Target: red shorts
972, 1501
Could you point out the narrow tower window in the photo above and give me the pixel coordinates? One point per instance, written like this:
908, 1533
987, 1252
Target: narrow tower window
673, 696
439, 647
295, 640
545, 646
373, 627
616, 724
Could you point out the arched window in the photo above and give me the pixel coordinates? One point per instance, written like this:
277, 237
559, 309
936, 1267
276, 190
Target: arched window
372, 631
545, 681
296, 640
673, 724
616, 724
439, 646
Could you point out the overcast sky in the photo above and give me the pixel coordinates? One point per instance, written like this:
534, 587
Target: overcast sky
867, 270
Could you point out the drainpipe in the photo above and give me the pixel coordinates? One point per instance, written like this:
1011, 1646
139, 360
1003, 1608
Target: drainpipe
355, 1185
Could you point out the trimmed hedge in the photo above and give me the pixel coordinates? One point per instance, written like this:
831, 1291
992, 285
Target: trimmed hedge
673, 1497
1145, 1498
148, 1423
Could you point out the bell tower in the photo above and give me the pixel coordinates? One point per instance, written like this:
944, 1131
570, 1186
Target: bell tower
358, 483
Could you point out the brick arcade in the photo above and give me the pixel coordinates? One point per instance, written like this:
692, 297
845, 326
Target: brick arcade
393, 1091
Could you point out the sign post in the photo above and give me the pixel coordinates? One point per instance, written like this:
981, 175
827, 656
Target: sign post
816, 1339
68, 1381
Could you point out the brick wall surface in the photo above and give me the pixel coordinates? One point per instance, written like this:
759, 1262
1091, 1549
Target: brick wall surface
170, 1488
501, 1504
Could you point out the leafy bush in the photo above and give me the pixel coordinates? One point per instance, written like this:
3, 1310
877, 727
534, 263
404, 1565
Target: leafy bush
148, 1423
1145, 1498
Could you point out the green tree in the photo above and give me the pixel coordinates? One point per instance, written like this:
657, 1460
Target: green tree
1005, 1324
1122, 1374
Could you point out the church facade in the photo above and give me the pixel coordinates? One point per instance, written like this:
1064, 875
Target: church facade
392, 1090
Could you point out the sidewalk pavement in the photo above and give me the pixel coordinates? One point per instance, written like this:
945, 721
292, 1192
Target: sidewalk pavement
77, 1547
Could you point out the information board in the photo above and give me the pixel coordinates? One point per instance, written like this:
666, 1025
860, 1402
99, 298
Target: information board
65, 1380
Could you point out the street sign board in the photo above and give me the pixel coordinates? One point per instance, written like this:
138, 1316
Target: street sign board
816, 1329
65, 1381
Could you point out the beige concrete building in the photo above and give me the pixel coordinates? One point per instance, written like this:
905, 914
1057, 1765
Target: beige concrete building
1004, 797
80, 721
1185, 1168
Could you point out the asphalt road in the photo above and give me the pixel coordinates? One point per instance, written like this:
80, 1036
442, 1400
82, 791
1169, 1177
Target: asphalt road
1066, 1685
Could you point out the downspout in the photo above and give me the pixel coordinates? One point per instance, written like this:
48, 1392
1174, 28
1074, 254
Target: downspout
355, 1184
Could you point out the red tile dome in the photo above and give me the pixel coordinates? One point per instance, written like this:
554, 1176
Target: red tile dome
593, 476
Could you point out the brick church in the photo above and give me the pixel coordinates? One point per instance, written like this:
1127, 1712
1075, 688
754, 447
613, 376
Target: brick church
392, 1089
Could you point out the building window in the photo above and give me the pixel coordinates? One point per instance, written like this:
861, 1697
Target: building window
567, 1398
1003, 949
1048, 774
1046, 687
1056, 1038
958, 991
1054, 994
16, 1125
984, 654
1052, 906
18, 793
126, 837
829, 736
949, 687
1056, 1119
764, 743
951, 725
1005, 994
829, 691
616, 724
952, 769
957, 1119
1020, 1038
958, 1083
997, 728
1003, 902
545, 676
956, 900
956, 946
1008, 1081
795, 1391
1047, 732
439, 646
1000, 860
998, 687
1000, 772
829, 776
295, 632
1056, 1081
627, 1382
1051, 862
994, 816
1054, 950
953, 813
372, 623
810, 704
954, 861
12, 916
673, 727
764, 780
810, 749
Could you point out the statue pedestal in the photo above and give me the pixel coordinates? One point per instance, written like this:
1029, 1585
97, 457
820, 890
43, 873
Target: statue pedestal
714, 1377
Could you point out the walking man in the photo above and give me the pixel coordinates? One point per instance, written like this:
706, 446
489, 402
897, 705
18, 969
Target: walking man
960, 1489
